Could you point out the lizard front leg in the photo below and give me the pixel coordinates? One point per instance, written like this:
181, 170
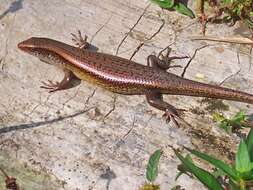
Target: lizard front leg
66, 82
69, 77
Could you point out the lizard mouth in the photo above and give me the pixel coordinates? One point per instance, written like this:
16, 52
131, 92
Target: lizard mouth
21, 47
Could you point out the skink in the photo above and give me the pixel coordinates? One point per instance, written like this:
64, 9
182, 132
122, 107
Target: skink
123, 76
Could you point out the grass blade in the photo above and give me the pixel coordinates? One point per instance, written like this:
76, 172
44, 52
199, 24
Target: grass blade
204, 177
231, 172
250, 144
242, 160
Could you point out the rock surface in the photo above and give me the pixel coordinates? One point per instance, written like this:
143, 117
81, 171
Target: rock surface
79, 138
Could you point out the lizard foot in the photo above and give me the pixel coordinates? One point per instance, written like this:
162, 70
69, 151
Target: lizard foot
167, 59
66, 82
80, 41
164, 61
51, 86
169, 116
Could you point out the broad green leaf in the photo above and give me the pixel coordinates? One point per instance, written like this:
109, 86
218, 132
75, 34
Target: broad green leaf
242, 160
204, 177
231, 172
152, 168
183, 9
250, 144
165, 4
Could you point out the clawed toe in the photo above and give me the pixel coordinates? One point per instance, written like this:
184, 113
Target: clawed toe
164, 60
168, 116
50, 85
79, 40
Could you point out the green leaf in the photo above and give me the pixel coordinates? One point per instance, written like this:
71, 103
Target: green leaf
204, 177
231, 172
182, 169
183, 9
226, 126
225, 2
250, 144
247, 176
242, 160
152, 168
240, 116
165, 4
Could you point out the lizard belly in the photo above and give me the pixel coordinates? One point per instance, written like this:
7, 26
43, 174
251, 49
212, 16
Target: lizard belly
111, 85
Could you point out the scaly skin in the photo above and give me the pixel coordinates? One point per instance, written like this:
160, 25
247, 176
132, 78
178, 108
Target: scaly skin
122, 76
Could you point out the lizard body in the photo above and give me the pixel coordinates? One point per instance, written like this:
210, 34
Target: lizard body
123, 76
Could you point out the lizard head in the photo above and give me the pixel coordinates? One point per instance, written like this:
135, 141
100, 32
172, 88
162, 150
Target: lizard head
39, 47
30, 45
42, 48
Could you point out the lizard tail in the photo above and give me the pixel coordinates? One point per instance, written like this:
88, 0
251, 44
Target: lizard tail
193, 88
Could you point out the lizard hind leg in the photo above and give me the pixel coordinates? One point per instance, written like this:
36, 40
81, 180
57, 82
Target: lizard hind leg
163, 61
155, 99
